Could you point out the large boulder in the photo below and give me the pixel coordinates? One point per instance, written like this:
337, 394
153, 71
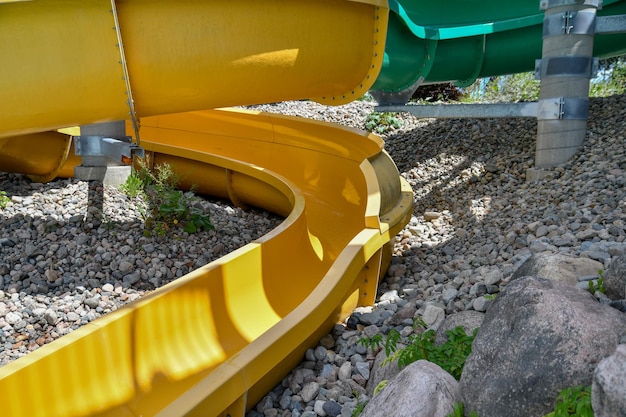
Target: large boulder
608, 392
422, 389
615, 278
538, 338
558, 267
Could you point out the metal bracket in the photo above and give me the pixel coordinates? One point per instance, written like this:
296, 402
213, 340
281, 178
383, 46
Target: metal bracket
120, 150
569, 23
549, 4
566, 66
563, 108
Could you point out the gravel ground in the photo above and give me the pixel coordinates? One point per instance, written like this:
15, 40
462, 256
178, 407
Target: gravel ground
476, 219
64, 265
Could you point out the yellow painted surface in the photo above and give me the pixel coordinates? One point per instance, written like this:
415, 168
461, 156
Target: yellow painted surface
214, 341
65, 64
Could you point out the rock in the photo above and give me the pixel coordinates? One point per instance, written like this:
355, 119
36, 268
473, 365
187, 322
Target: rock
431, 215
538, 337
619, 305
331, 408
318, 407
558, 267
608, 391
422, 389
449, 295
481, 304
469, 320
12, 318
345, 371
309, 391
51, 317
92, 302
265, 404
433, 316
493, 277
615, 278
380, 372
132, 278
320, 353
125, 267
405, 313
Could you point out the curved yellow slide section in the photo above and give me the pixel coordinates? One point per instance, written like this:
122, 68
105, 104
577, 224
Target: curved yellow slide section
216, 340
75, 62
213, 342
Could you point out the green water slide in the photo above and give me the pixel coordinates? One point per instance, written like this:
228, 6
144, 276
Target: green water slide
459, 41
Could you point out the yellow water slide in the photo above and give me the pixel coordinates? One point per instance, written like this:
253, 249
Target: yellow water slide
213, 342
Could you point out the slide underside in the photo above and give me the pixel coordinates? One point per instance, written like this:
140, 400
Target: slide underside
216, 340
459, 41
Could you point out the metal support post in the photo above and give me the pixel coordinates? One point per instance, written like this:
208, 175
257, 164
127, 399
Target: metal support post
565, 70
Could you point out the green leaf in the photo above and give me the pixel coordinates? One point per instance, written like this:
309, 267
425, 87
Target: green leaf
190, 227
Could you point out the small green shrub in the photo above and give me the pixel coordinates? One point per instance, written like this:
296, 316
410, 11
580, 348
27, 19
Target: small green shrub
573, 402
378, 122
4, 200
360, 405
598, 285
168, 207
450, 356
134, 185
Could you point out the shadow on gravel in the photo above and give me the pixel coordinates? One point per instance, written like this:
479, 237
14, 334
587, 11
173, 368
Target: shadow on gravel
461, 172
452, 163
67, 234
471, 174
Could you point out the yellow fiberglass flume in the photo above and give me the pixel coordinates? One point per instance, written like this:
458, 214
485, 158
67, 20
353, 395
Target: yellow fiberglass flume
213, 342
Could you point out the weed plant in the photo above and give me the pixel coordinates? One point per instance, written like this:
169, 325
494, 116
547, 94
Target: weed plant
573, 402
4, 200
381, 122
459, 411
167, 207
597, 285
450, 356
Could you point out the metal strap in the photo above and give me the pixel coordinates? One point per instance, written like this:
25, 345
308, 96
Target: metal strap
563, 108
566, 66
130, 102
569, 23
549, 4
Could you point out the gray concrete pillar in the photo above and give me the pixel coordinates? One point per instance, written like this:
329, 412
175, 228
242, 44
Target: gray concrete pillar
565, 70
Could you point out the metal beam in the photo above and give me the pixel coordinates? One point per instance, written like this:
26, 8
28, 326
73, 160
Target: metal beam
611, 24
458, 111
